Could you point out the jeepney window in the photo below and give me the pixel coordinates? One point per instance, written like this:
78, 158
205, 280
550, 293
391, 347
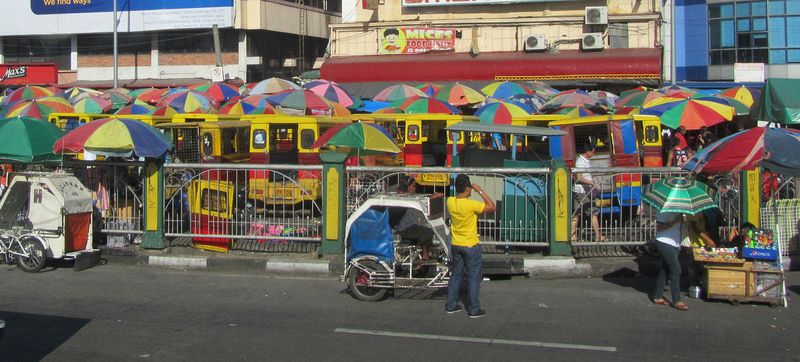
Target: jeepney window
242, 137
426, 130
229, 141
214, 200
307, 138
450, 136
413, 133
259, 139
187, 145
208, 144
281, 139
597, 134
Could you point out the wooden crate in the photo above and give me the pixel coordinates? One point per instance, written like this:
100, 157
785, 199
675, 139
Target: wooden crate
730, 280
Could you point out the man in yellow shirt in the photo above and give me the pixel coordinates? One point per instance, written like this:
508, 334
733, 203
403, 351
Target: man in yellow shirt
466, 250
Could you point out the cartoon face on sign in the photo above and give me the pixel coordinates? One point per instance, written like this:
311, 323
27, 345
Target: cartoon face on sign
393, 41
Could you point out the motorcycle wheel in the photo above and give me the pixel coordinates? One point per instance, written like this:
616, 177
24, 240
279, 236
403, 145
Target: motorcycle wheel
357, 280
37, 255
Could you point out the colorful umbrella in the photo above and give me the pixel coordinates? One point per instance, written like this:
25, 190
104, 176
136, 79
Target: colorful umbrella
389, 110
257, 100
604, 98
115, 137
26, 93
739, 108
534, 102
499, 112
459, 95
151, 95
504, 89
429, 105
677, 91
118, 98
364, 138
398, 92
189, 102
678, 195
303, 100
691, 113
273, 85
628, 92
748, 96
93, 105
239, 107
74, 94
542, 88
119, 90
166, 111
28, 140
218, 91
337, 109
37, 109
775, 148
430, 89
637, 99
332, 92
136, 108
579, 111
569, 98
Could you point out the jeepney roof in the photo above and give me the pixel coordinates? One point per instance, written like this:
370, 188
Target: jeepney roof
220, 124
421, 116
504, 129
602, 118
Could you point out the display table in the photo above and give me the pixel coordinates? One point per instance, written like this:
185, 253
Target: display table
737, 280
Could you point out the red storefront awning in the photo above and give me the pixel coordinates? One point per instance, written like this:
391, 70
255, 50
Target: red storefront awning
635, 64
12, 75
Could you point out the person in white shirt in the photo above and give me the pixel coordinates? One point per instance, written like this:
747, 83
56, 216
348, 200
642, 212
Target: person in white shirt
668, 239
582, 192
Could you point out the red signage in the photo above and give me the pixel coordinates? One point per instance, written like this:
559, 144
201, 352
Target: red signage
28, 74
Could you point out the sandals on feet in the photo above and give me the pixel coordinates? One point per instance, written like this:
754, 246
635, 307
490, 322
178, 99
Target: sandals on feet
681, 306
660, 301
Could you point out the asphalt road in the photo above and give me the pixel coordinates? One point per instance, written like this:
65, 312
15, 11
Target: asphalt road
133, 313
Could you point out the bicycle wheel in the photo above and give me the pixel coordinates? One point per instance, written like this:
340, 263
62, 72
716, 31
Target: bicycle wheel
36, 254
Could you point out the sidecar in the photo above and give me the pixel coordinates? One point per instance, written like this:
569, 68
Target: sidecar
378, 259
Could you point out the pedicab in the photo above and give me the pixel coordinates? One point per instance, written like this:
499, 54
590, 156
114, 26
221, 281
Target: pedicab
378, 260
46, 216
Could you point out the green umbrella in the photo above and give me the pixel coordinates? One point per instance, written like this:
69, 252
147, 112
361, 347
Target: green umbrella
28, 140
679, 195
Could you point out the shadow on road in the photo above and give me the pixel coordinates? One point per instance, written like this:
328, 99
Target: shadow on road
31, 337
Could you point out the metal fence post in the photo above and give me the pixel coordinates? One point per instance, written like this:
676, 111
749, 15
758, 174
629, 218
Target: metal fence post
560, 209
333, 202
153, 204
750, 182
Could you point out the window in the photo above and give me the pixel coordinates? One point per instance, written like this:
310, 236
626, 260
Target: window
307, 138
38, 50
197, 41
741, 33
259, 139
103, 44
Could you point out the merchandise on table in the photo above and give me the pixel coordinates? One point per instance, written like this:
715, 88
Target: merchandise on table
759, 244
718, 255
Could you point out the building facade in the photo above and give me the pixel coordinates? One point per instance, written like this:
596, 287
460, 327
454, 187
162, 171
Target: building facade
481, 40
258, 38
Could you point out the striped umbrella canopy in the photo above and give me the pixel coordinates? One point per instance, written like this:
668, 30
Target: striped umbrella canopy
28, 140
604, 98
627, 110
430, 105
273, 85
774, 148
37, 109
534, 102
542, 88
504, 90
218, 91
398, 92
189, 102
331, 91
677, 91
743, 94
569, 98
93, 105
118, 98
338, 110
499, 112
404, 102
165, 111
303, 100
363, 138
579, 111
389, 110
678, 195
257, 100
637, 99
739, 108
120, 90
136, 108
115, 137
151, 95
628, 92
430, 89
27, 93
238, 107
690, 113
459, 95
73, 92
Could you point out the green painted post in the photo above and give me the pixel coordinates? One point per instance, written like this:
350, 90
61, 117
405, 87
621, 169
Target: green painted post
333, 202
153, 204
560, 221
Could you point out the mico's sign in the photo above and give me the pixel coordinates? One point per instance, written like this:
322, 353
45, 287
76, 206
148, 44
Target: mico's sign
28, 74
416, 40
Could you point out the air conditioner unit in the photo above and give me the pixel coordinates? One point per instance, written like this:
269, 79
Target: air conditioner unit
590, 41
535, 42
596, 15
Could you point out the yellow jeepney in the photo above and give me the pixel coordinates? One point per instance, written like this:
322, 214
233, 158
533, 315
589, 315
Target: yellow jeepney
69, 121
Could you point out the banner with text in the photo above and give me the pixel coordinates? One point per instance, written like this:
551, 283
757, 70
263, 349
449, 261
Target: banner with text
411, 3
28, 74
416, 40
35, 17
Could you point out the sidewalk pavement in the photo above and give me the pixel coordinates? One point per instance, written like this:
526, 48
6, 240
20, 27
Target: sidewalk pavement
311, 265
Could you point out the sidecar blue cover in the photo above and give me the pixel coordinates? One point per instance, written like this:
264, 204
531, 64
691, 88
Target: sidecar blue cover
371, 234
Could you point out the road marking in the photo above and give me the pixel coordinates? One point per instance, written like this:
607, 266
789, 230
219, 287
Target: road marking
477, 340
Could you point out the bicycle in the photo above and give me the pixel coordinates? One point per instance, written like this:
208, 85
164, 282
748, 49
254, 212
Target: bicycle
24, 248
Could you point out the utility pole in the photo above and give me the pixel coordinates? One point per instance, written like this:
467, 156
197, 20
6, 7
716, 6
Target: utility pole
301, 33
116, 74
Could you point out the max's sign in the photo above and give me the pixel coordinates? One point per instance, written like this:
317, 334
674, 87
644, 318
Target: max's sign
15, 72
28, 74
